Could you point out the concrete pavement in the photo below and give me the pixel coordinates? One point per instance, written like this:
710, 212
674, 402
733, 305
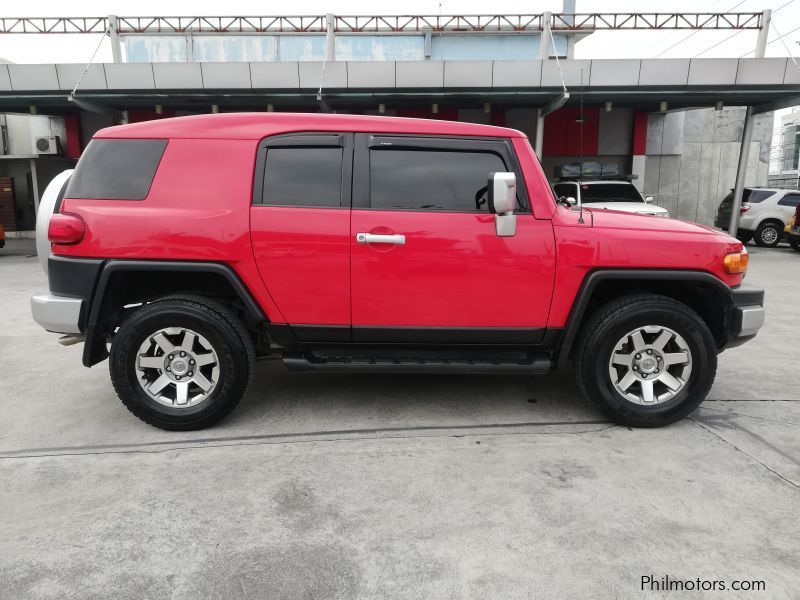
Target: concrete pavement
353, 486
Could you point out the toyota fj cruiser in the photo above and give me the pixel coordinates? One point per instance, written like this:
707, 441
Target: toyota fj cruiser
186, 248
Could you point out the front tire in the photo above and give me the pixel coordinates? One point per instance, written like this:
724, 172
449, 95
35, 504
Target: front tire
181, 364
645, 360
768, 235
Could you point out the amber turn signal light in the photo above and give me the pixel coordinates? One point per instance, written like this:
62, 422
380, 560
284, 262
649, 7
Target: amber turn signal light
736, 263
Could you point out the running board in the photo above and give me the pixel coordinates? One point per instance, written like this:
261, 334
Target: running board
532, 364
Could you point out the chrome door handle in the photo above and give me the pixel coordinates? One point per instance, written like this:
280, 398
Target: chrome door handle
374, 238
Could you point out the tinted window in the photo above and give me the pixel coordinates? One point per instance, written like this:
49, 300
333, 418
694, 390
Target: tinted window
789, 200
610, 192
568, 190
303, 177
749, 196
116, 169
755, 196
429, 179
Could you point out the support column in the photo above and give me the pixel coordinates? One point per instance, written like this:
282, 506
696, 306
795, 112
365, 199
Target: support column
639, 148
113, 34
35, 186
330, 37
544, 41
763, 33
747, 132
741, 169
538, 146
568, 7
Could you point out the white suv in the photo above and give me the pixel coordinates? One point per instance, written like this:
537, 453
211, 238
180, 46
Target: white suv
609, 194
764, 215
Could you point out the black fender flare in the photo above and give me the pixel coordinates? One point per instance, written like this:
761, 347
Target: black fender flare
95, 350
592, 279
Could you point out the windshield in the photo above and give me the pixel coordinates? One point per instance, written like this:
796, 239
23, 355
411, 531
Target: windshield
610, 192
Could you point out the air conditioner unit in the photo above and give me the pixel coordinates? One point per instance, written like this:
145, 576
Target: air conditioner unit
50, 144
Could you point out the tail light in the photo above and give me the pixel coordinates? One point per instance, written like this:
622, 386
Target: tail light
744, 209
66, 229
736, 262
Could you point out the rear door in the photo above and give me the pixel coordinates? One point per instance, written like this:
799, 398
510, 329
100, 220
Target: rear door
443, 275
300, 230
788, 205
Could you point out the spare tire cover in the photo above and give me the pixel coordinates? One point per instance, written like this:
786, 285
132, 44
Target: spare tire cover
47, 204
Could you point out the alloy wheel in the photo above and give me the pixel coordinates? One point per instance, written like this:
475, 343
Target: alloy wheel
650, 365
177, 367
769, 235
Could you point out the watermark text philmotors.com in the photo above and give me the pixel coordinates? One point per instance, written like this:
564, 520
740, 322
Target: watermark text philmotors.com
651, 583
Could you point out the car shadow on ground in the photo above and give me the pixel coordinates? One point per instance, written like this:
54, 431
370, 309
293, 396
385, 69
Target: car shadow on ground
342, 400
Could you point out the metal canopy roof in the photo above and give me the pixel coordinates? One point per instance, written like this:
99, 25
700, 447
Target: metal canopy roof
629, 82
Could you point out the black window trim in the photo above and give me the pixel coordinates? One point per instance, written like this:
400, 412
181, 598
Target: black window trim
364, 142
306, 139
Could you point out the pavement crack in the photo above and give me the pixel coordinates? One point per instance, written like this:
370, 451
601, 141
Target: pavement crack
748, 455
289, 439
728, 412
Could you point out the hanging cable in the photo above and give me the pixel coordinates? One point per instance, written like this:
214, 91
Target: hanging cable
696, 31
555, 53
781, 7
730, 37
91, 60
673, 34
788, 50
775, 40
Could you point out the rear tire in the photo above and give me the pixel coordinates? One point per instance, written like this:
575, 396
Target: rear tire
768, 235
675, 390
744, 237
181, 363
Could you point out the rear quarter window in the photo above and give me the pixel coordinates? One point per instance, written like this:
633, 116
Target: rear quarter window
116, 169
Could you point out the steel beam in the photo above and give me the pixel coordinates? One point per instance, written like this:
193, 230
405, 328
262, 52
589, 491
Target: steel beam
316, 24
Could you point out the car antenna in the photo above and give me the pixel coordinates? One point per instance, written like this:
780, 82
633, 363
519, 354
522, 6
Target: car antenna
581, 119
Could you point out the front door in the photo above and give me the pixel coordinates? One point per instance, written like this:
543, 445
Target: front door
426, 262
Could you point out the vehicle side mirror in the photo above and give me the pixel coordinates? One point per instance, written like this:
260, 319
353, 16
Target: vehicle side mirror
648, 199
502, 191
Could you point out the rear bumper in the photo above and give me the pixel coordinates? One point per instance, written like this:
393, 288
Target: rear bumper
58, 314
64, 307
747, 314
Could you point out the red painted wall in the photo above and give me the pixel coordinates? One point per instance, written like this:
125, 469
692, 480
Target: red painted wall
73, 145
562, 134
639, 132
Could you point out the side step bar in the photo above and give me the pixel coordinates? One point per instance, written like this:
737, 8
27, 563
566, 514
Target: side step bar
534, 364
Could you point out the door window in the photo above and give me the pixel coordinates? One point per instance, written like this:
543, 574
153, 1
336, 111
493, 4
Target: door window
431, 180
790, 200
303, 176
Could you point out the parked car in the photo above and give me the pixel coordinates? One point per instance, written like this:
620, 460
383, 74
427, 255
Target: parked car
612, 194
764, 214
2, 237
195, 245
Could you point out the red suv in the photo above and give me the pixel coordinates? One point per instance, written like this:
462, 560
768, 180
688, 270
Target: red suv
192, 246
